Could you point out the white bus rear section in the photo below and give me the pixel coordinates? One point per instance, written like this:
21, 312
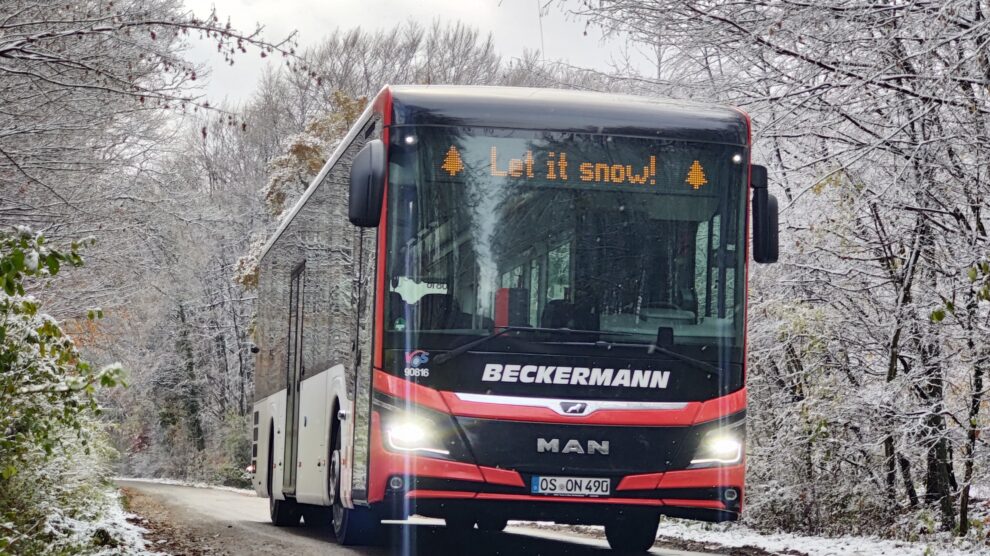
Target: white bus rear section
318, 396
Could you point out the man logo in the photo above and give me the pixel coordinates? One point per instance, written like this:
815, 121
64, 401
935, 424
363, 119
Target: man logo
590, 448
573, 408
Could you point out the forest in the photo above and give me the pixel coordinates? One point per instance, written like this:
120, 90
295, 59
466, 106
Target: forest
132, 212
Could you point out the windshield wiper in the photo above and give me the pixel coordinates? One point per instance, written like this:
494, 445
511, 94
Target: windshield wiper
703, 365
698, 363
447, 356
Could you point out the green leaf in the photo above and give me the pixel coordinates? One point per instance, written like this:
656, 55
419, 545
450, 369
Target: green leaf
9, 285
972, 274
17, 258
937, 315
8, 472
53, 264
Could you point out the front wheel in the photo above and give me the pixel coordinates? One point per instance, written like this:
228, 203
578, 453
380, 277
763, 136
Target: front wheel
352, 527
492, 524
632, 534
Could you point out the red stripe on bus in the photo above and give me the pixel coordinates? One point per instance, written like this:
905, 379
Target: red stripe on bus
704, 478
711, 504
497, 476
635, 417
722, 407
408, 390
383, 104
648, 481
439, 494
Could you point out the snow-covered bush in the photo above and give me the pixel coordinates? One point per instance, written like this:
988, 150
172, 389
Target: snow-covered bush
47, 396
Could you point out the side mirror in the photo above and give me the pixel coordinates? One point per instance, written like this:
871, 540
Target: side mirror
367, 185
766, 240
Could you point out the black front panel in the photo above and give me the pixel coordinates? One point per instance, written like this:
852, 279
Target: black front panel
527, 372
614, 263
577, 450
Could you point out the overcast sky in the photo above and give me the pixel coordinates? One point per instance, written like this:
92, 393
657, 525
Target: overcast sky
514, 24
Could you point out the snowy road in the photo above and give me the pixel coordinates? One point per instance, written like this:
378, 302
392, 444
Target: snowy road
211, 521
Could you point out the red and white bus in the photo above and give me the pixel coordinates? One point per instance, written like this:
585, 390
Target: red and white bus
508, 303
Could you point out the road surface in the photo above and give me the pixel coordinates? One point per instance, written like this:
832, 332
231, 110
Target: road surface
187, 520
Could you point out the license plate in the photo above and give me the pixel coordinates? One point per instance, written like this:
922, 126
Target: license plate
569, 486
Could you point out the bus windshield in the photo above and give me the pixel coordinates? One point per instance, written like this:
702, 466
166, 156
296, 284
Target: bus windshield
639, 240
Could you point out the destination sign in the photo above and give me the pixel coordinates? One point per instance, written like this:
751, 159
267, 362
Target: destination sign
560, 167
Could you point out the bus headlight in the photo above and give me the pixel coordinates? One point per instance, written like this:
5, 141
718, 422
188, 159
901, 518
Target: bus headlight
407, 434
723, 446
410, 428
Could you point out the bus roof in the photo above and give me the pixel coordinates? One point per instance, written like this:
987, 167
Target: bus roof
568, 111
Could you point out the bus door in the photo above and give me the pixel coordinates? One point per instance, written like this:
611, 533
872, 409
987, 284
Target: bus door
294, 372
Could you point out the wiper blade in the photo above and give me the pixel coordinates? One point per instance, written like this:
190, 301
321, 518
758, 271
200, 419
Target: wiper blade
697, 363
703, 365
447, 356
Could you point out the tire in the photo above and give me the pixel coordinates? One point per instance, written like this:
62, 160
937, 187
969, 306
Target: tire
352, 527
633, 534
492, 524
459, 523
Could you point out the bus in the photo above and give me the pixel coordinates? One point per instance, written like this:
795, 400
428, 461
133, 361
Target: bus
511, 303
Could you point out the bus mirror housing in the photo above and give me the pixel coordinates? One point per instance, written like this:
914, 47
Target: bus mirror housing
367, 185
766, 239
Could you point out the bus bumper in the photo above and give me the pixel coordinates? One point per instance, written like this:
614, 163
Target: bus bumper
405, 484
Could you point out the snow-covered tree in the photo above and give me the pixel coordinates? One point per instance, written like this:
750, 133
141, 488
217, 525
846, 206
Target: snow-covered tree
868, 342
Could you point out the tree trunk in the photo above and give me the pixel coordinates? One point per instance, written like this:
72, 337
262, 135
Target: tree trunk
972, 434
908, 481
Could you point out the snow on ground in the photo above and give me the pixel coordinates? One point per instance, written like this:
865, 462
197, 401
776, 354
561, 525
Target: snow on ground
112, 529
192, 484
733, 535
736, 535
